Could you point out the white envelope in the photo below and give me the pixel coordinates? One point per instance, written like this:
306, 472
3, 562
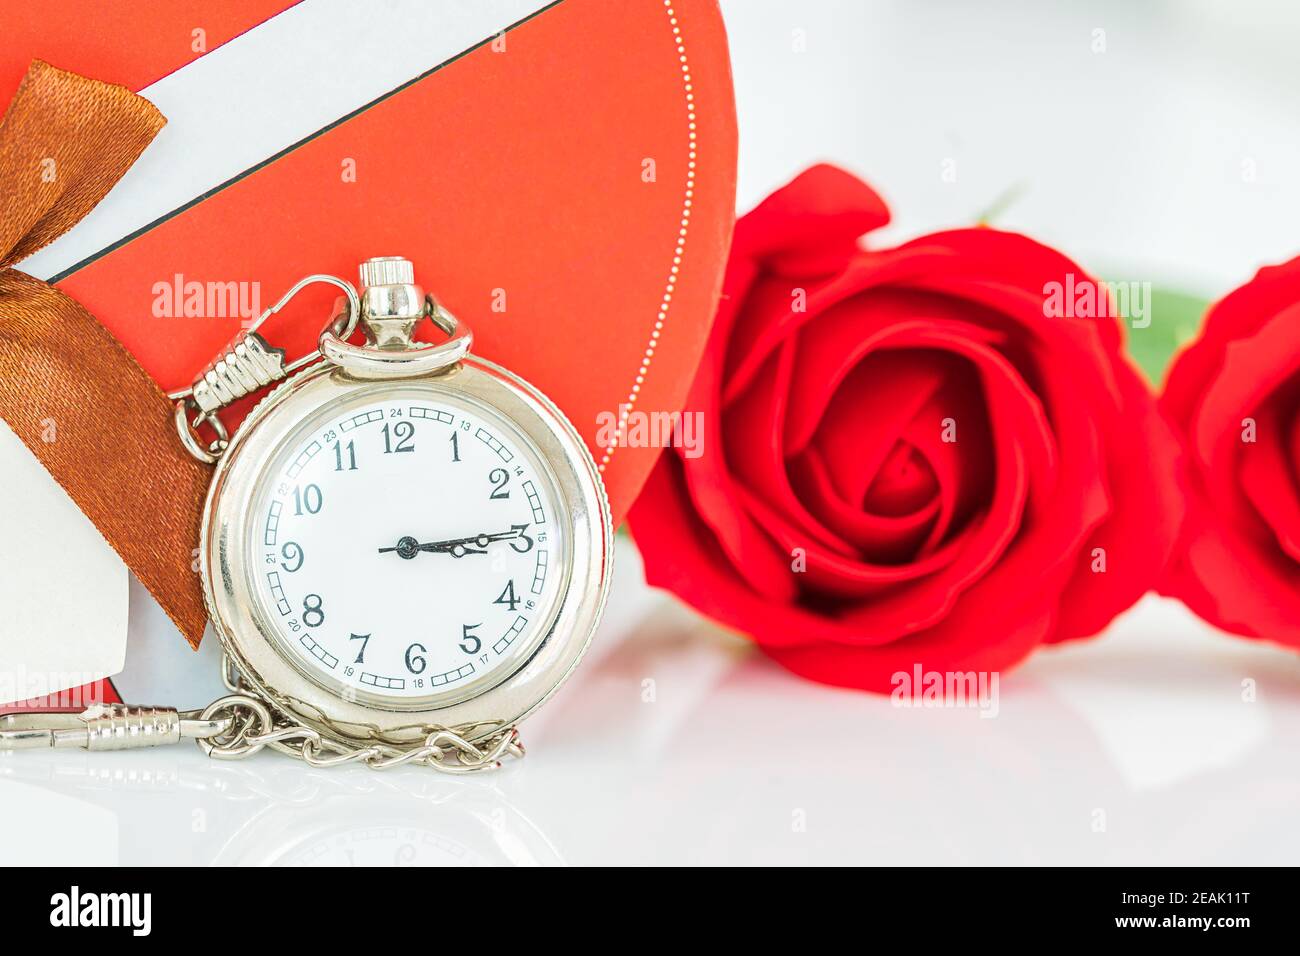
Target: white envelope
63, 590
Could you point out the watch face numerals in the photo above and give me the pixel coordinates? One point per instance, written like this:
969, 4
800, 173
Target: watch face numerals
499, 478
507, 597
471, 643
411, 549
312, 614
399, 438
292, 556
416, 663
345, 457
308, 500
521, 543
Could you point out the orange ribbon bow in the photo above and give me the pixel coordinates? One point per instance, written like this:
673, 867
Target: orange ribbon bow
82, 404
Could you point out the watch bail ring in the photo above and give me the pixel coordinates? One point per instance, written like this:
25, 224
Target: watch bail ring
374, 363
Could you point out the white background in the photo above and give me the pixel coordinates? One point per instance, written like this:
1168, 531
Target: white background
1138, 747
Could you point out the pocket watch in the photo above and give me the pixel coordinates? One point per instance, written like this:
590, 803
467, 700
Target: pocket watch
405, 548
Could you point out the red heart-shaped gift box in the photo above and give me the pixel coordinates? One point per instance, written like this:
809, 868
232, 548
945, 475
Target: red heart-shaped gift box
567, 189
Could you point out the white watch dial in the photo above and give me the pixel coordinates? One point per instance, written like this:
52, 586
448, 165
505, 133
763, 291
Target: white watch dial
409, 550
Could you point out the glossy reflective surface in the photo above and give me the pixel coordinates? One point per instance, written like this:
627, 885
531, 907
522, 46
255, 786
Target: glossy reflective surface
676, 743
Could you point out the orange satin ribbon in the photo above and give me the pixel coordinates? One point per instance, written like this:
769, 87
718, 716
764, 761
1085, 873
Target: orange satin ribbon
91, 415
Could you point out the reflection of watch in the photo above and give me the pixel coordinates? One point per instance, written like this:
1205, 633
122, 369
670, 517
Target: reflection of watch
340, 649
384, 828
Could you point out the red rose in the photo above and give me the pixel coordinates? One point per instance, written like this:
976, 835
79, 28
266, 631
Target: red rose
905, 463
1234, 395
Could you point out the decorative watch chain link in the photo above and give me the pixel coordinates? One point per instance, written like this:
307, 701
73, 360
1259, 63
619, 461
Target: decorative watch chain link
248, 725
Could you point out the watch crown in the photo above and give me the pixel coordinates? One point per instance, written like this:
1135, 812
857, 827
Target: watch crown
387, 270
391, 302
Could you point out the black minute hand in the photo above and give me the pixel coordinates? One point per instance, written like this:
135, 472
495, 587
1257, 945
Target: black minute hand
409, 547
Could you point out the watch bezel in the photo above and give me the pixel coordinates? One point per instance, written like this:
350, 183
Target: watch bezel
226, 559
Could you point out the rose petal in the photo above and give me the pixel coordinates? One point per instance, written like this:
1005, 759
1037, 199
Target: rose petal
812, 224
1022, 444
761, 330
1238, 315
963, 469
958, 645
871, 410
1266, 476
1145, 512
683, 557
887, 539
752, 438
1251, 370
844, 336
1249, 593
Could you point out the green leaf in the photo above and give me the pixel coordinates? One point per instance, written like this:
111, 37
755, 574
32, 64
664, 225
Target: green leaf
1175, 318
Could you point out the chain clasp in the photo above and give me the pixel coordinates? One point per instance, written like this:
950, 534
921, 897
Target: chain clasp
106, 727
